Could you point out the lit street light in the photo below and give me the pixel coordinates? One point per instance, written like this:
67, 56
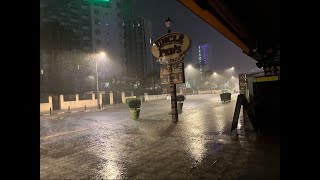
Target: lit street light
102, 54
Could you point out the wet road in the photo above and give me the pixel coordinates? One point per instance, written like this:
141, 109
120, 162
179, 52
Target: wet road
109, 145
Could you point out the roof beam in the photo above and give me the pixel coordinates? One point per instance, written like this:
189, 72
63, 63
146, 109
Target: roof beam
215, 23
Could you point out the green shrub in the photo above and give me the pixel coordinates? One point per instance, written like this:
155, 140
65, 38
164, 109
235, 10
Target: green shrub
180, 97
134, 103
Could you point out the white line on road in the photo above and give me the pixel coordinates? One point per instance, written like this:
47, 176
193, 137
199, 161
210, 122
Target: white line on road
64, 133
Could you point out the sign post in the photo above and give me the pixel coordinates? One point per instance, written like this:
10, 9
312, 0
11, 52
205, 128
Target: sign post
169, 50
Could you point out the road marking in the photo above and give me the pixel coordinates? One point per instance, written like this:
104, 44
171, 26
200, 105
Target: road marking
44, 114
44, 147
64, 133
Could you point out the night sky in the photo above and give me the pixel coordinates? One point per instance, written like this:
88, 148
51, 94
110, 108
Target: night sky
223, 53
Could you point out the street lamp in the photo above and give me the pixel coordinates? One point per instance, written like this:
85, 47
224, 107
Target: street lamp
102, 54
168, 24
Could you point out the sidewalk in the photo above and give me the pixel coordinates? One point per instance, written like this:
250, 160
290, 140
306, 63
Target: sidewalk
264, 162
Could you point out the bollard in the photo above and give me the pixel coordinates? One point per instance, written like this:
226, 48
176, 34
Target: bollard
68, 108
50, 110
85, 107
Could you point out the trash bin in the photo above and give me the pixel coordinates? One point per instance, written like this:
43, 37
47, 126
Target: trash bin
225, 97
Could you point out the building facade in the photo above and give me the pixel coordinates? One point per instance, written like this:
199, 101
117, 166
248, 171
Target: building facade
73, 32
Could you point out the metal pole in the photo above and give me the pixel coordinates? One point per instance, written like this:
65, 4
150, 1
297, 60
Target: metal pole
174, 111
98, 94
211, 83
173, 93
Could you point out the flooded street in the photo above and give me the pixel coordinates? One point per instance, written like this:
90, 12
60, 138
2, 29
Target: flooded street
109, 145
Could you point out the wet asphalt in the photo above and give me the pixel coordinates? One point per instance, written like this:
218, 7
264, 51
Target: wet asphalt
110, 145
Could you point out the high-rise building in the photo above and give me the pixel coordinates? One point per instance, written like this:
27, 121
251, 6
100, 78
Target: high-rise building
95, 24
137, 37
201, 53
88, 26
101, 25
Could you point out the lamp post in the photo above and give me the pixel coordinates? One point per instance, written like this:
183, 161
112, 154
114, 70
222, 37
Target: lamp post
97, 77
168, 24
173, 88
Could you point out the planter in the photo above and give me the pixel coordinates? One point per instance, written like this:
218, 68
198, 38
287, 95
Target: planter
134, 114
179, 107
225, 97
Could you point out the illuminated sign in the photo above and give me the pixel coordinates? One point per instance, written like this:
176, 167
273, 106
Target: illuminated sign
267, 78
172, 74
170, 48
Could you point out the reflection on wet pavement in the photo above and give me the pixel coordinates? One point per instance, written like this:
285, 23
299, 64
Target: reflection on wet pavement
109, 145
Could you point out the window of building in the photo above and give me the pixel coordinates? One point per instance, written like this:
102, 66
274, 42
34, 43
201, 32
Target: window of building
98, 41
74, 20
85, 38
97, 31
85, 27
96, 11
97, 21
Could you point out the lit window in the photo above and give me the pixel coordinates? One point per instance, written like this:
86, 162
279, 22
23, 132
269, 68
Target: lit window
138, 24
41, 71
